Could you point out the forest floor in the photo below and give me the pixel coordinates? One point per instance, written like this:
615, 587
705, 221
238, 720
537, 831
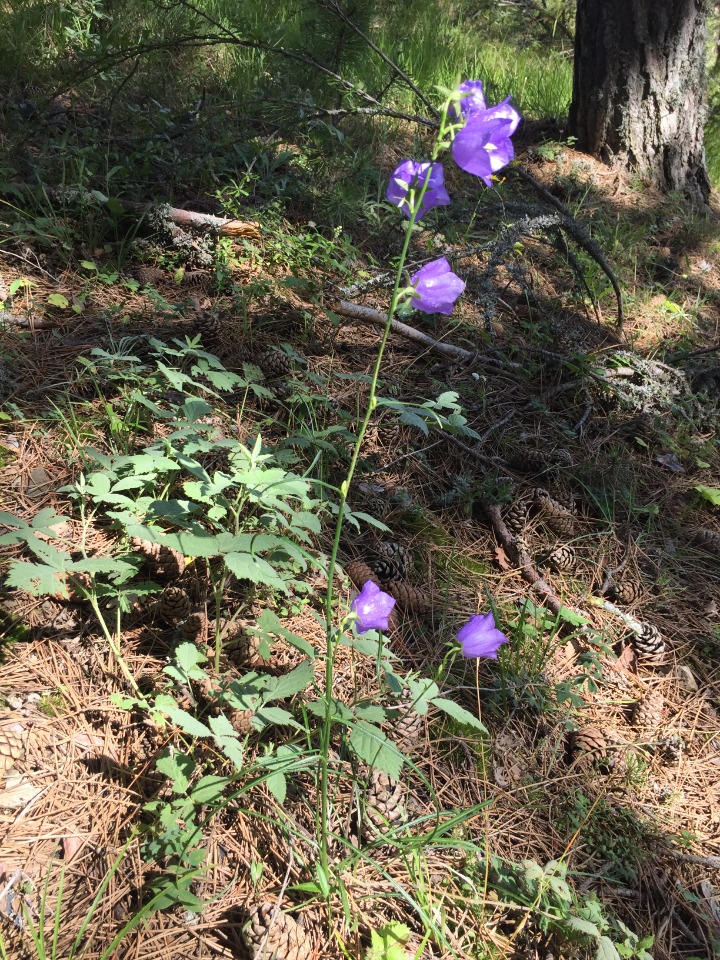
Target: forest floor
569, 474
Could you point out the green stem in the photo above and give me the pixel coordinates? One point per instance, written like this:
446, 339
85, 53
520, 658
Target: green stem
332, 635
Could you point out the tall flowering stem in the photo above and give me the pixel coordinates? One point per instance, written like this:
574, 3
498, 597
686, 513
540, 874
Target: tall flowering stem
415, 209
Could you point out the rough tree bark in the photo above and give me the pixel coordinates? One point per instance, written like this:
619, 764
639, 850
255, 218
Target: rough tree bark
638, 88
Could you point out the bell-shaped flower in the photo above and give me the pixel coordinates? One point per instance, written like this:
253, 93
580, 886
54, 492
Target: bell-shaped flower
373, 607
480, 637
436, 287
483, 146
473, 98
410, 175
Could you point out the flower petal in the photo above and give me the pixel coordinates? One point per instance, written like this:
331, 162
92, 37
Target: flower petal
373, 608
436, 287
410, 175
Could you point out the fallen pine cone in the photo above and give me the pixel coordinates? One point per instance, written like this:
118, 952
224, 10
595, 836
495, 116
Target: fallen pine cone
163, 562
649, 713
174, 604
359, 573
274, 364
515, 517
587, 746
384, 805
557, 517
649, 646
390, 562
562, 559
410, 599
195, 629
279, 937
13, 736
627, 591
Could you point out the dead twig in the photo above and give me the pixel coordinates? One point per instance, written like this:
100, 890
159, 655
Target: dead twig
368, 315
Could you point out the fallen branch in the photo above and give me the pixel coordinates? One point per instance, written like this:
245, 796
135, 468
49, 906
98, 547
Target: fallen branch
521, 557
368, 315
188, 219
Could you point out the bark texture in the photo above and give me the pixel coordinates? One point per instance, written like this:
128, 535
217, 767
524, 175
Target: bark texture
638, 88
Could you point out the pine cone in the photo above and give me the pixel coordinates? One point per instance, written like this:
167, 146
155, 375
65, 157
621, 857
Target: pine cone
281, 938
515, 516
273, 364
649, 646
409, 727
617, 751
649, 713
410, 599
669, 749
384, 806
163, 562
557, 517
195, 629
587, 746
150, 276
359, 573
528, 460
241, 721
199, 280
562, 457
244, 650
562, 559
614, 680
391, 561
627, 591
208, 325
708, 540
13, 737
174, 604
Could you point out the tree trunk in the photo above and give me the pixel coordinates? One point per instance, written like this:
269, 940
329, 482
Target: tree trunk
638, 88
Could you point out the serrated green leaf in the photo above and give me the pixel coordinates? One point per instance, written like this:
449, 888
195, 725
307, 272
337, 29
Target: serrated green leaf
711, 494
458, 713
267, 715
178, 767
246, 567
291, 683
582, 926
188, 656
181, 718
58, 300
209, 789
37, 579
370, 744
606, 950
277, 785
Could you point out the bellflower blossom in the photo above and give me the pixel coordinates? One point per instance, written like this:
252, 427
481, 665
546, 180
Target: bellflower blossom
410, 175
474, 99
483, 146
480, 637
436, 287
373, 607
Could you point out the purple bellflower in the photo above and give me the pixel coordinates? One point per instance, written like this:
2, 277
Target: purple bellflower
410, 175
480, 637
373, 607
436, 287
473, 99
483, 146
